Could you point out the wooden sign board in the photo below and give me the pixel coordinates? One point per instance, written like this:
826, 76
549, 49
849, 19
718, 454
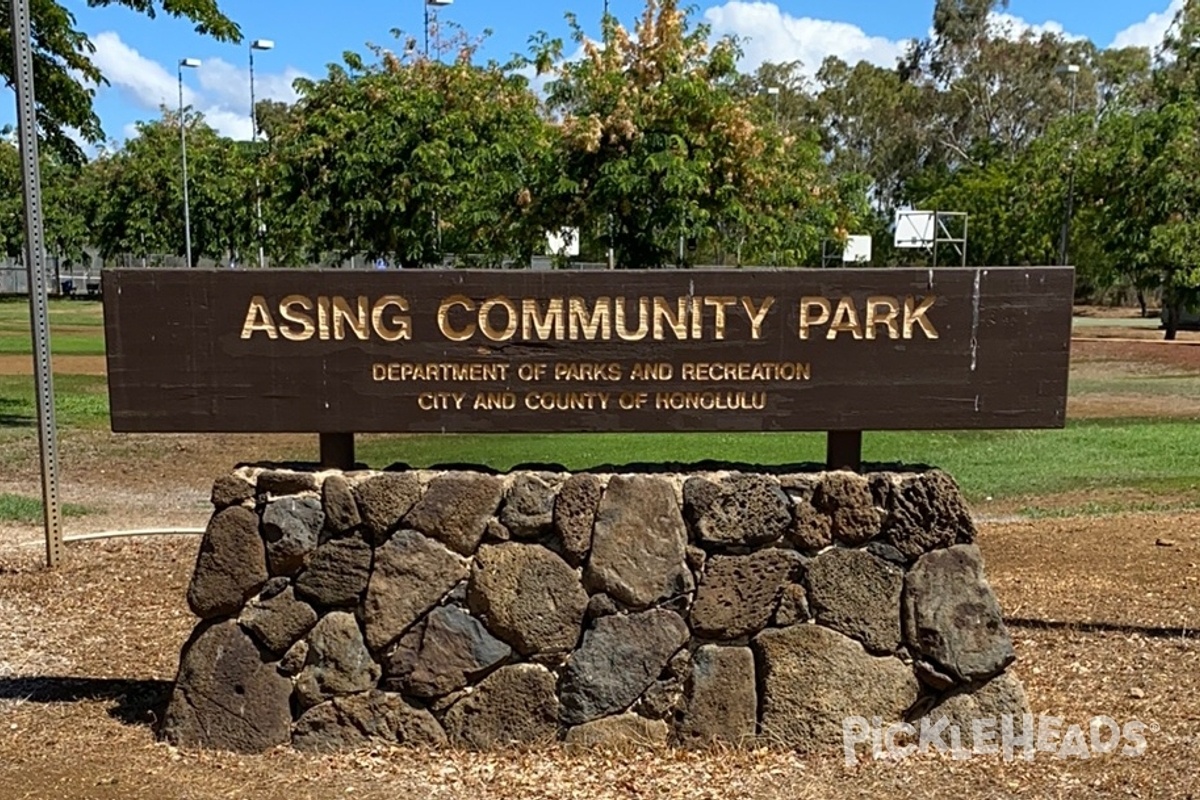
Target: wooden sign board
521, 351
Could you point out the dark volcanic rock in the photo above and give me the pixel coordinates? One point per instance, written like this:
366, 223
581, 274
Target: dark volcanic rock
574, 515
514, 705
383, 500
442, 654
857, 594
1001, 697
528, 596
225, 697
618, 660
412, 573
813, 679
722, 700
952, 619
231, 566
528, 510
279, 621
337, 573
846, 499
738, 593
280, 482
738, 510
927, 512
639, 543
291, 527
456, 508
337, 501
354, 721
231, 490
337, 663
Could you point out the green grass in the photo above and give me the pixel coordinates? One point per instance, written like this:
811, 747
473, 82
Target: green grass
18, 508
76, 327
1145, 454
80, 402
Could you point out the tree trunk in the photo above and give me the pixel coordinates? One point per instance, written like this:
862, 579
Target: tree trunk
1141, 299
1174, 308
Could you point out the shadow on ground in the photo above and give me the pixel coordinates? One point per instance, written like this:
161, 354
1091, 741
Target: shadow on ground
137, 702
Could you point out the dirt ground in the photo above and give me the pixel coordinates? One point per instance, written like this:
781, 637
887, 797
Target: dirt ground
1104, 612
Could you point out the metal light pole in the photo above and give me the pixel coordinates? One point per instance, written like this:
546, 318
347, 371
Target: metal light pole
260, 230
773, 91
1073, 71
435, 4
191, 63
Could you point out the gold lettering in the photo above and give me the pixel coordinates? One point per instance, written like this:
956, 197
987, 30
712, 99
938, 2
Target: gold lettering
287, 310
402, 322
697, 318
357, 317
258, 318
719, 304
323, 318
485, 321
891, 308
845, 320
597, 323
676, 321
807, 306
643, 325
915, 315
549, 325
757, 316
443, 316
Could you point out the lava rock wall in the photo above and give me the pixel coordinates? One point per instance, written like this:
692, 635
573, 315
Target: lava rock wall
479, 611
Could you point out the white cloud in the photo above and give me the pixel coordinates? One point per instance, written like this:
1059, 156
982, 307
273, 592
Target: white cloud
769, 34
140, 79
1150, 31
1013, 27
223, 96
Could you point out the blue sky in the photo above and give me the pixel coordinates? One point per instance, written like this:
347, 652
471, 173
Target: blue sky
139, 55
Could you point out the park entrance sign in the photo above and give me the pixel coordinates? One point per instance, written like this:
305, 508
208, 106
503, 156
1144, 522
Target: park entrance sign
337, 352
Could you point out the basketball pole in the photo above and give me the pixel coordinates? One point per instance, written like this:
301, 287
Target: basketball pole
35, 265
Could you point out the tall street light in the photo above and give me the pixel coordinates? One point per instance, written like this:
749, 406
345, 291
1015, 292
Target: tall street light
190, 63
260, 230
1073, 71
435, 4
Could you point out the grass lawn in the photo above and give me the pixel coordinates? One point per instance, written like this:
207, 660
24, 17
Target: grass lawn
18, 508
76, 327
1147, 455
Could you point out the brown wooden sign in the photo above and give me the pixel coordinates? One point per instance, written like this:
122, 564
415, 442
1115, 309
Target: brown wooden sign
689, 350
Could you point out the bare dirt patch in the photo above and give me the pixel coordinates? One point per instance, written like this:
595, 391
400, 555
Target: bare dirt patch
63, 365
1104, 621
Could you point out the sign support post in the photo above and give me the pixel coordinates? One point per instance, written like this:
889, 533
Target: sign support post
337, 451
35, 264
843, 450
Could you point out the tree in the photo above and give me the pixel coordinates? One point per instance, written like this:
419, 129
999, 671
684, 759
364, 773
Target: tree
137, 193
658, 145
65, 223
407, 158
64, 73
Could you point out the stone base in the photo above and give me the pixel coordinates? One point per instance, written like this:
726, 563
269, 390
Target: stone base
469, 610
